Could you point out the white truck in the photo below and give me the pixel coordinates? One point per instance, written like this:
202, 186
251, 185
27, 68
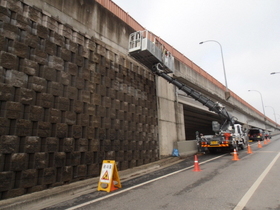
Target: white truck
233, 138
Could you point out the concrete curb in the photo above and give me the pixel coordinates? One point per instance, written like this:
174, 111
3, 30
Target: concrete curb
63, 193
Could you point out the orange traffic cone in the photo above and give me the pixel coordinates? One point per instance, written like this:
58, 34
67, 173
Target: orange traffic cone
264, 141
249, 151
259, 145
268, 140
196, 164
235, 155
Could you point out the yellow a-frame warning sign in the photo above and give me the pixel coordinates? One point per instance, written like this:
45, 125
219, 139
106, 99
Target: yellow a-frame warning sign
109, 178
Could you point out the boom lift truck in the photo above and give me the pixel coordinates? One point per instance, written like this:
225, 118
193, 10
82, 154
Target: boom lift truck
148, 50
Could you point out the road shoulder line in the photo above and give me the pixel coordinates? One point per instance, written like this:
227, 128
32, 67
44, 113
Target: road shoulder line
242, 203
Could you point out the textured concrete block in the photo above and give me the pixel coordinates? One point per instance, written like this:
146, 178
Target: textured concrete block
10, 31
96, 99
96, 78
42, 31
14, 193
49, 176
90, 44
63, 103
57, 39
4, 126
5, 14
9, 144
6, 180
70, 118
28, 178
6, 92
91, 109
79, 60
83, 144
41, 160
84, 119
38, 84
77, 131
110, 155
36, 113
72, 92
23, 127
19, 161
56, 63
46, 100
86, 96
44, 129
90, 133
20, 49
59, 159
34, 14
124, 165
65, 54
89, 158
50, 47
31, 64
55, 116
80, 83
56, 88
72, 46
26, 96
16, 78
40, 56
75, 158
67, 173
78, 37
52, 144
66, 30
65, 78
78, 106
68, 144
93, 170
32, 144
61, 130
95, 145
81, 172
49, 73
72, 68
31, 40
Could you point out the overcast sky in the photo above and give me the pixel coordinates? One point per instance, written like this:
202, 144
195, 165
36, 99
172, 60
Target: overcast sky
248, 30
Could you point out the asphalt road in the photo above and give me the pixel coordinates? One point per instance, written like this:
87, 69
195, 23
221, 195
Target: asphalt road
251, 183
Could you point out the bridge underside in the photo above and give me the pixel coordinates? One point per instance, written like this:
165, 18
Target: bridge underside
198, 120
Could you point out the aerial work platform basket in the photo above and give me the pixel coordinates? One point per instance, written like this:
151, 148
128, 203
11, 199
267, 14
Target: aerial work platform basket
146, 48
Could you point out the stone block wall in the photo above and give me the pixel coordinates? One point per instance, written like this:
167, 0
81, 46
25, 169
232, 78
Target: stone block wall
68, 102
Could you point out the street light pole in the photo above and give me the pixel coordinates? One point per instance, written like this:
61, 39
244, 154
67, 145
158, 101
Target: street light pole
273, 112
261, 99
227, 94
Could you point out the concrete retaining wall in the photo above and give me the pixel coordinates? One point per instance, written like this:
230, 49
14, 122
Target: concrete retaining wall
69, 97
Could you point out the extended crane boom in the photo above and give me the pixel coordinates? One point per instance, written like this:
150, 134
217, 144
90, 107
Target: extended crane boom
216, 107
148, 49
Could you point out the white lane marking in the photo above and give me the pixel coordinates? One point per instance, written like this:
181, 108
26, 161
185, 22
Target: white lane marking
254, 187
139, 185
